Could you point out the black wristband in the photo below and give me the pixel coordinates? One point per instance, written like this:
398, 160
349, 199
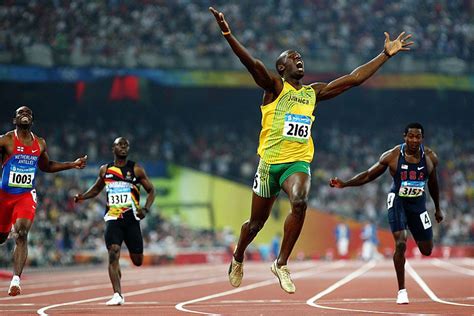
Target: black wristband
146, 210
386, 54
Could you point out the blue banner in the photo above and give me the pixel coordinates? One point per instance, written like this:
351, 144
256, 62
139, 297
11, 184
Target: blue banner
215, 78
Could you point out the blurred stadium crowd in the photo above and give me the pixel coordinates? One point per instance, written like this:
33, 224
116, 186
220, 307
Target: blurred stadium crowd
61, 228
168, 33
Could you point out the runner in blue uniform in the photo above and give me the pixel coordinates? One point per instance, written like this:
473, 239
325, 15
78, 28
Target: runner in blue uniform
411, 165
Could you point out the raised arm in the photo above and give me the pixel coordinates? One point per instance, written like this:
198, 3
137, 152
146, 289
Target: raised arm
267, 80
150, 190
364, 177
433, 186
325, 91
95, 189
47, 165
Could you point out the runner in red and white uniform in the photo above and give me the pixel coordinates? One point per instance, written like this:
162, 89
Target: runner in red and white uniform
22, 154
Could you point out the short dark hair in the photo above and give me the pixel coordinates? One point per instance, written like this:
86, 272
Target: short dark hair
281, 60
415, 125
118, 139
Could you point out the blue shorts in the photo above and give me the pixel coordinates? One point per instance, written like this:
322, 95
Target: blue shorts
402, 215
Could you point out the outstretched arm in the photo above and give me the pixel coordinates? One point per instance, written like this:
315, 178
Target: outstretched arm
434, 188
364, 177
267, 80
95, 189
150, 190
47, 165
325, 91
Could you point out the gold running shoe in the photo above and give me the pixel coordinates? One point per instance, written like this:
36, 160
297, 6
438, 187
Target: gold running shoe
283, 275
236, 272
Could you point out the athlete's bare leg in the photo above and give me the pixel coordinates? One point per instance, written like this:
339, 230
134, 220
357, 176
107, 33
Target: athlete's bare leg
425, 246
20, 253
137, 258
261, 208
297, 187
114, 268
399, 256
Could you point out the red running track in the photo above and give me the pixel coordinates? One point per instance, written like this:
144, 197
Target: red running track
435, 287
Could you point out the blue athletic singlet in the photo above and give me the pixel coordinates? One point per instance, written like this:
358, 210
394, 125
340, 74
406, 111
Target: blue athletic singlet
409, 181
19, 169
407, 198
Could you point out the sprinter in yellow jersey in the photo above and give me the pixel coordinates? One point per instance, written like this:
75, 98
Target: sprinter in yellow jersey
286, 148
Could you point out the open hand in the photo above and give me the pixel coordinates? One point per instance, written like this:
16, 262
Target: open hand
391, 48
80, 163
220, 20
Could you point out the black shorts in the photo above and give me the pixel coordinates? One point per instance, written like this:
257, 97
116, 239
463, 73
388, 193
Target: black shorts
401, 216
124, 229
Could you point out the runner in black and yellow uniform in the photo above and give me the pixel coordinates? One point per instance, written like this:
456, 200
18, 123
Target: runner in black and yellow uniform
122, 178
286, 148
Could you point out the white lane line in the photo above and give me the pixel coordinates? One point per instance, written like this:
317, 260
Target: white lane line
99, 276
363, 269
42, 311
251, 301
105, 284
452, 267
468, 261
426, 288
43, 279
296, 275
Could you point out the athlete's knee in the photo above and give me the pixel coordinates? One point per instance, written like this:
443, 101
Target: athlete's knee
137, 259
255, 226
21, 234
426, 250
299, 203
400, 247
114, 253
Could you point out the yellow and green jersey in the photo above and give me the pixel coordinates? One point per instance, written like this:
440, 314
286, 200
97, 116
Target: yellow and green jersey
286, 126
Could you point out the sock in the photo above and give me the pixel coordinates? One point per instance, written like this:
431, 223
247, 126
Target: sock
16, 278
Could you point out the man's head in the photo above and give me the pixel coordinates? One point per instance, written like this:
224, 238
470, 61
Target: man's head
290, 65
413, 136
120, 147
23, 117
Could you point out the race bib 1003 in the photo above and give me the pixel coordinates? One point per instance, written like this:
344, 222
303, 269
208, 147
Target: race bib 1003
21, 178
411, 188
297, 127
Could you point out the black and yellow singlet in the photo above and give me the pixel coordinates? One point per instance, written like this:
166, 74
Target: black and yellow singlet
123, 192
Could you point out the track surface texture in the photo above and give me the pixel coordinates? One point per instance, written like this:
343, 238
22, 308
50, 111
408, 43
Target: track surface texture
435, 287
